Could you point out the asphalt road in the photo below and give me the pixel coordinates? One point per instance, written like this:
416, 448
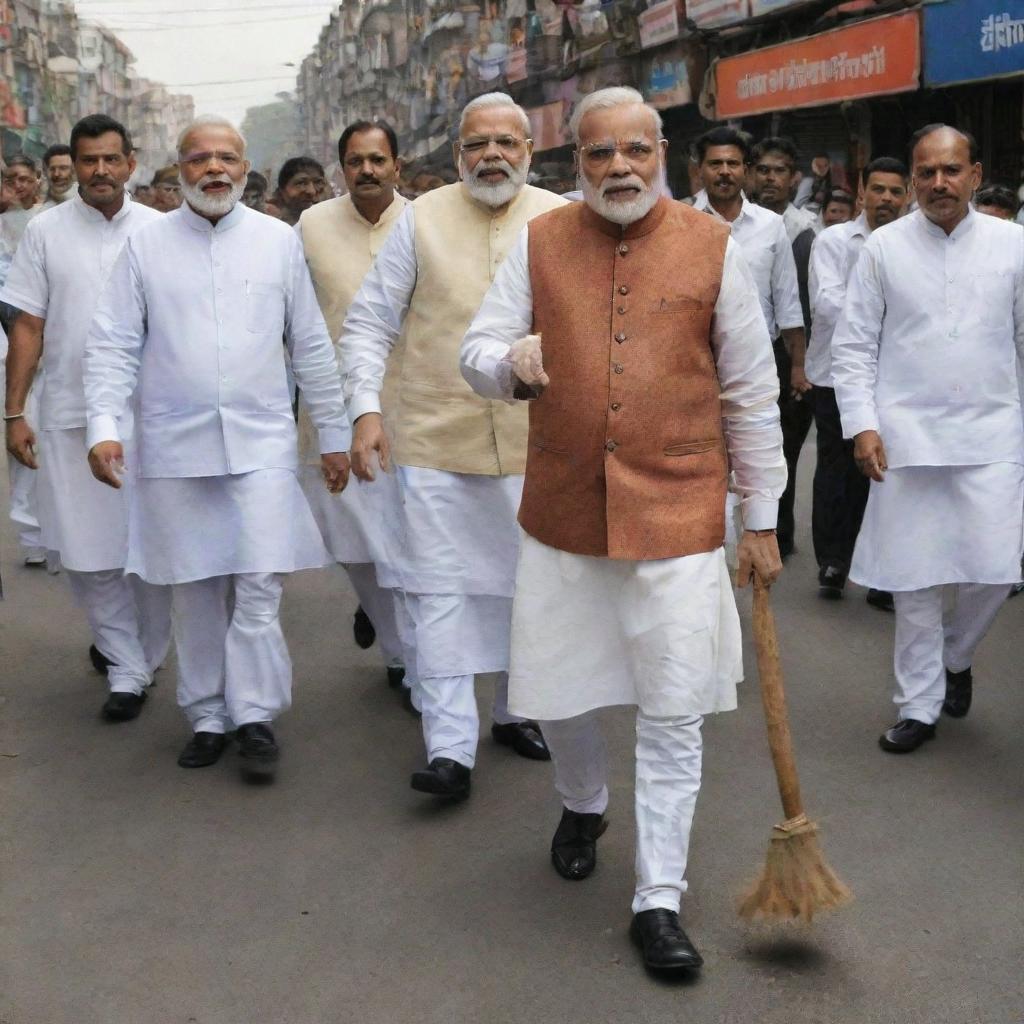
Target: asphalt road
134, 892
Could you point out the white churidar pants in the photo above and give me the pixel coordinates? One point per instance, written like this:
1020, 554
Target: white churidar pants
233, 663
929, 641
379, 604
668, 774
130, 622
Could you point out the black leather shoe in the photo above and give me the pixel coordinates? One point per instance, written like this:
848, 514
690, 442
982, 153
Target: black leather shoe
881, 599
258, 751
443, 777
524, 738
100, 661
906, 736
362, 629
665, 945
831, 582
574, 846
123, 707
959, 690
396, 675
202, 750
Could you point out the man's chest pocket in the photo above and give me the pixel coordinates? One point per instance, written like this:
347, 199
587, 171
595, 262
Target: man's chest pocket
264, 308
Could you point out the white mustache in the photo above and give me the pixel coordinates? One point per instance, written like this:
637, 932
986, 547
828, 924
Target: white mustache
218, 179
620, 183
499, 165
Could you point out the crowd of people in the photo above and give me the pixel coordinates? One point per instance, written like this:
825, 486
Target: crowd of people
556, 411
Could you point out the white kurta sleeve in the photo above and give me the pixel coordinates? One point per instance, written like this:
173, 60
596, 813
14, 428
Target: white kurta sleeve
113, 349
27, 286
374, 320
855, 345
749, 394
785, 285
828, 280
313, 360
505, 316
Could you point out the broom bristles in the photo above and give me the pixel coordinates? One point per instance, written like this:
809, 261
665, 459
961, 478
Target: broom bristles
796, 882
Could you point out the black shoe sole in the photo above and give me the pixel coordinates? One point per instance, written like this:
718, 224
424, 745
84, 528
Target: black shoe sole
427, 782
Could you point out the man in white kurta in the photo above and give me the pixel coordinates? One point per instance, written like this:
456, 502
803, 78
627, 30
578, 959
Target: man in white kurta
924, 366
623, 596
63, 260
341, 238
460, 459
191, 322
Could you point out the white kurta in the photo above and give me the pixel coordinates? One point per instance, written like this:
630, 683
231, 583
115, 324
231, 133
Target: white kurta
926, 354
662, 634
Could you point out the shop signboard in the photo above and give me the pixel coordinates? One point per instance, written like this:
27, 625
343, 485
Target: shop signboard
877, 57
671, 77
659, 24
758, 8
717, 13
967, 40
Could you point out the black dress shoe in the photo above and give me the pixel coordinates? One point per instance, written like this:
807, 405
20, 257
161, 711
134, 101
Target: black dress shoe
362, 629
906, 736
831, 582
396, 675
665, 945
524, 738
959, 690
258, 751
881, 599
123, 707
443, 777
574, 846
99, 660
202, 750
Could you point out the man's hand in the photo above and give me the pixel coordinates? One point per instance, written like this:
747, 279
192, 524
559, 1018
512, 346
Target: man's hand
527, 363
335, 467
869, 454
21, 442
106, 460
799, 385
369, 438
758, 553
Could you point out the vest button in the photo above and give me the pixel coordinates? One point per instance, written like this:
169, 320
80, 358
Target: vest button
622, 310
623, 289
623, 249
620, 337
616, 406
611, 446
617, 367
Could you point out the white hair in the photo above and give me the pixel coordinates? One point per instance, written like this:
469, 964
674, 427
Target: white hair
208, 121
495, 99
608, 99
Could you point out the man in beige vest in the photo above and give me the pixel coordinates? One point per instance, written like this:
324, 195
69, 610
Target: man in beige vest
341, 239
637, 322
460, 458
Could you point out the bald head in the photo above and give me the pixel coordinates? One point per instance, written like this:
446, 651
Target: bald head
946, 172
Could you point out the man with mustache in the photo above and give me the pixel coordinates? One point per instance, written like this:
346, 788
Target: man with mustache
636, 321
216, 510
60, 174
460, 458
58, 273
723, 156
341, 238
924, 364
840, 489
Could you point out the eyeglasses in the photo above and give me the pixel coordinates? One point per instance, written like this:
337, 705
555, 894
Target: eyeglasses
633, 151
508, 144
197, 161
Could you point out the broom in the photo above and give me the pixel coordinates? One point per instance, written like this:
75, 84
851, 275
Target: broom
796, 881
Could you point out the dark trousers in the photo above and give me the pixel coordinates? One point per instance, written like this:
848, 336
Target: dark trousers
796, 415
840, 489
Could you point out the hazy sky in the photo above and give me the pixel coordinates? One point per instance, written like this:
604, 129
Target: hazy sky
242, 45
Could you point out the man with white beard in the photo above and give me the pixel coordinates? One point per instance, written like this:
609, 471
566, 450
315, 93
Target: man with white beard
190, 323
654, 376
460, 458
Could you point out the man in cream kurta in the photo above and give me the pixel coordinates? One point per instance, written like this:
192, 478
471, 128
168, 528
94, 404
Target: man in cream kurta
216, 510
460, 458
924, 363
341, 238
58, 272
623, 596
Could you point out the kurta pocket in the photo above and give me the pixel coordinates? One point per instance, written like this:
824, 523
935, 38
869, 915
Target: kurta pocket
691, 447
264, 308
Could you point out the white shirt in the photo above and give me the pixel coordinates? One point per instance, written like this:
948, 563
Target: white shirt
797, 221
768, 252
926, 349
58, 273
743, 355
195, 313
833, 257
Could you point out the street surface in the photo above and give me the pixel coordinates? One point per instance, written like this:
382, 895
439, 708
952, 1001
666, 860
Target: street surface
134, 892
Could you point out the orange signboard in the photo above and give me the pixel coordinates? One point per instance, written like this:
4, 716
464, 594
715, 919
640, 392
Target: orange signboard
870, 58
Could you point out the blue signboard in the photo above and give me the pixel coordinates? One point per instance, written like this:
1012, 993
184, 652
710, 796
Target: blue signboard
966, 40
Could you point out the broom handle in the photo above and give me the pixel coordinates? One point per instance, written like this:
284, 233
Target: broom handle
773, 696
